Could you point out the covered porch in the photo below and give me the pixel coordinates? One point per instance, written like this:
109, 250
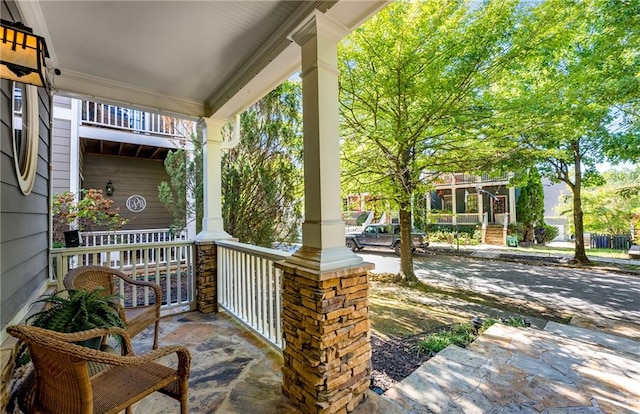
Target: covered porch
210, 63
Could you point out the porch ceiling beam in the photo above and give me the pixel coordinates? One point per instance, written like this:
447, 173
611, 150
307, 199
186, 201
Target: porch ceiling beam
277, 43
258, 83
85, 87
155, 153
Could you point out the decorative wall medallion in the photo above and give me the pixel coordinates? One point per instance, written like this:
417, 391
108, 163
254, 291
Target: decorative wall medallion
136, 203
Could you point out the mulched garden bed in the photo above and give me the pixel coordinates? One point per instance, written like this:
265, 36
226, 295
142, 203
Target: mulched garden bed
393, 360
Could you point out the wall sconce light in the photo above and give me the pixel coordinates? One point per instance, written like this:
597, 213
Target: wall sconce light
110, 188
22, 54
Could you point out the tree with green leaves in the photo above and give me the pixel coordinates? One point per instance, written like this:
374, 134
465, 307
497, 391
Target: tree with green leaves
530, 207
412, 88
607, 207
561, 101
262, 176
182, 195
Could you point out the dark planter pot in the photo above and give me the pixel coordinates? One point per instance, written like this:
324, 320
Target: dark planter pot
93, 343
72, 238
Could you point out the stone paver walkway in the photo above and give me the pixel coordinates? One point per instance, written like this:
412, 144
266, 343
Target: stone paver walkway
511, 370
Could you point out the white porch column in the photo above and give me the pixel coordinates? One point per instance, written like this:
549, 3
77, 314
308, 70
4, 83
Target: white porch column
323, 235
212, 225
480, 205
512, 205
454, 206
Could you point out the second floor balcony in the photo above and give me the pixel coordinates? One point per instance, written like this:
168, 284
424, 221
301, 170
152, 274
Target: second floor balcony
464, 179
135, 121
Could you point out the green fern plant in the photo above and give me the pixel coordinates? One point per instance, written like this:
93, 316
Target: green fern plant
78, 310
74, 310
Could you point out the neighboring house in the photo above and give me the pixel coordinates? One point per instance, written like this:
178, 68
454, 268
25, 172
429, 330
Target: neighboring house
474, 195
464, 199
553, 196
97, 144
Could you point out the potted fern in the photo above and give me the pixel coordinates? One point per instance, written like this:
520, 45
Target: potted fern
73, 310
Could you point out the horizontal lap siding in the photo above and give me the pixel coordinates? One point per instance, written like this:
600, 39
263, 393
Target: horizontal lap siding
61, 155
130, 176
24, 221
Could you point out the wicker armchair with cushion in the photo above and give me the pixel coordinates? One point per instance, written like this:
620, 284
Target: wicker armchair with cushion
137, 318
63, 383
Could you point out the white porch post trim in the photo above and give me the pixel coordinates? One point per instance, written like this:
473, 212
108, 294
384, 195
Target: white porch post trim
480, 205
512, 205
454, 206
212, 224
74, 146
323, 235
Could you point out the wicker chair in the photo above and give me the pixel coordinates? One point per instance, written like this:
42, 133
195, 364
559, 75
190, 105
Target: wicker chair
137, 318
62, 381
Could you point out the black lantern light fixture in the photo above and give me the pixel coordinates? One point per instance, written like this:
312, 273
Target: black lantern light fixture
110, 188
22, 54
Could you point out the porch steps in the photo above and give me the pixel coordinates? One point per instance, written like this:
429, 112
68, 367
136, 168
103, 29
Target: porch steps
494, 235
512, 370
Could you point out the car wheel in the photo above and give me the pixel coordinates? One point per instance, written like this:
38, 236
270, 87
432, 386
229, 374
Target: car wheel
396, 248
352, 245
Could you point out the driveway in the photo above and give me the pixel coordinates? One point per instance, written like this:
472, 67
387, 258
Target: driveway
582, 292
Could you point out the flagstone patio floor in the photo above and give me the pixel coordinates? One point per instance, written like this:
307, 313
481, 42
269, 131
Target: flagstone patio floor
507, 370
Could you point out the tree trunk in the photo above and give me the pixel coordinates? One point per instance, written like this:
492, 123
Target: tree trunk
580, 255
527, 233
406, 246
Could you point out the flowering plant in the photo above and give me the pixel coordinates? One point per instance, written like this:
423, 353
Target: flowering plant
92, 211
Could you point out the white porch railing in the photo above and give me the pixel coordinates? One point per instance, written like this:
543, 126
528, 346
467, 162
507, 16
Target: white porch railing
132, 120
250, 287
442, 218
101, 238
467, 218
170, 264
458, 218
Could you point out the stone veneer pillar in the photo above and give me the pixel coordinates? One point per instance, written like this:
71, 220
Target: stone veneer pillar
206, 276
326, 328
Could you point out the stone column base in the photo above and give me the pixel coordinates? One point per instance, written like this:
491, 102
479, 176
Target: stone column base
326, 328
206, 276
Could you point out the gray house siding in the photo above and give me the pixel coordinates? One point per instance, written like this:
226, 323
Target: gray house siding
23, 219
61, 153
130, 176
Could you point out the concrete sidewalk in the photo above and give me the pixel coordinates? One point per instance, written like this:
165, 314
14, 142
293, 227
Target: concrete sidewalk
495, 252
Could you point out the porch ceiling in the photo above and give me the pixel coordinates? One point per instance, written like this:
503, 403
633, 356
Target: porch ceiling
193, 58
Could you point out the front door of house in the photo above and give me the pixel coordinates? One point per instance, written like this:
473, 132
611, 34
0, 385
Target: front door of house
498, 208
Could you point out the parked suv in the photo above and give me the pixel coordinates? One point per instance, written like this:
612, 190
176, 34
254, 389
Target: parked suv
383, 235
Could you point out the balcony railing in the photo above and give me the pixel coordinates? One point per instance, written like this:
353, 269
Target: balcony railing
250, 287
170, 264
136, 121
469, 179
